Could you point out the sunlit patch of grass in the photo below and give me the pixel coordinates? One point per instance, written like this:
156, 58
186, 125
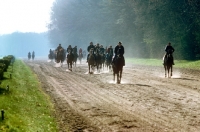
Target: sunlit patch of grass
27, 108
158, 62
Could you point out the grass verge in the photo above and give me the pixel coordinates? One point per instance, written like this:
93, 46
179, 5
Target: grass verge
158, 62
27, 108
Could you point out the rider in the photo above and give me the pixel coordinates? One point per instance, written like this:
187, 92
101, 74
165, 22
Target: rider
102, 50
91, 46
75, 51
33, 53
169, 50
119, 51
80, 52
59, 47
97, 48
110, 50
69, 49
29, 55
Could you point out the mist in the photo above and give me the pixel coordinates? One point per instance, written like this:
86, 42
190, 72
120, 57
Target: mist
143, 27
19, 44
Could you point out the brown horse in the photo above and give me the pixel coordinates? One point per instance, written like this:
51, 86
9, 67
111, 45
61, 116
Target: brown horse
91, 61
168, 65
60, 56
98, 61
117, 66
70, 58
108, 60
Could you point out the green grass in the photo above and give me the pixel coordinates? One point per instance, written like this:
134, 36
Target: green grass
156, 62
27, 108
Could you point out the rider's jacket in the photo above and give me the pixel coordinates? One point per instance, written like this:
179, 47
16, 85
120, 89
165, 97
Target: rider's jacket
97, 49
90, 47
119, 50
58, 48
69, 49
169, 49
75, 50
110, 51
101, 50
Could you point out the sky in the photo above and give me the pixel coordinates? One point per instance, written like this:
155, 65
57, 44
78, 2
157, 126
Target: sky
24, 15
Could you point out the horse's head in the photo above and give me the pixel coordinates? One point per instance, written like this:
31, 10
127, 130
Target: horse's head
91, 51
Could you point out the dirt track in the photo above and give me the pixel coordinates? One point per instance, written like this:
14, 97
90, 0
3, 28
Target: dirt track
144, 102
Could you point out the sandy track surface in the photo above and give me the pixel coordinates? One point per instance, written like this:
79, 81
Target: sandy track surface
144, 102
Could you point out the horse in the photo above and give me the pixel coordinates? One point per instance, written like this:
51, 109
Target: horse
75, 59
168, 65
51, 55
29, 55
108, 60
60, 56
98, 61
80, 56
33, 55
91, 61
69, 59
117, 66
103, 58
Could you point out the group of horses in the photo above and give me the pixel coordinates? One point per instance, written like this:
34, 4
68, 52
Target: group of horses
31, 56
62, 55
100, 61
96, 61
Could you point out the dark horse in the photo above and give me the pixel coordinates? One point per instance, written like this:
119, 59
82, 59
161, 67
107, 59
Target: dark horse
108, 60
98, 61
117, 66
29, 55
168, 65
60, 56
91, 61
70, 58
33, 55
51, 55
75, 59
103, 59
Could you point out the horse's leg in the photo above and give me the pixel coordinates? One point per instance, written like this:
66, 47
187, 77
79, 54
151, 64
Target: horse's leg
89, 67
120, 75
171, 70
168, 75
118, 81
165, 71
114, 76
71, 66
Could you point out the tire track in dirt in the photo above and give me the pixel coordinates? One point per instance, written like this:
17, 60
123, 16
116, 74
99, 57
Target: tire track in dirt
146, 102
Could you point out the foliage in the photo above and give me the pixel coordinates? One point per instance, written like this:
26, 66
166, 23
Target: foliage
144, 27
27, 108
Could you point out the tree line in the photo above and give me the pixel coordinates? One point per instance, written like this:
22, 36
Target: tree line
143, 26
